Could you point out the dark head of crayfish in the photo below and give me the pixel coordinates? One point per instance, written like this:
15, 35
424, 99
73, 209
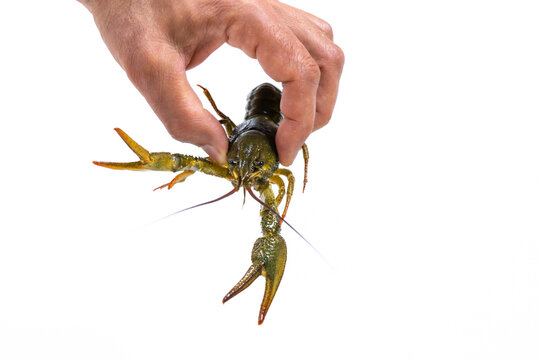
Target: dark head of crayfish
251, 159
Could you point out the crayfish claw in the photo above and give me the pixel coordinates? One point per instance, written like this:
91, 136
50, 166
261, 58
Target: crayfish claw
160, 161
253, 273
269, 256
121, 166
141, 152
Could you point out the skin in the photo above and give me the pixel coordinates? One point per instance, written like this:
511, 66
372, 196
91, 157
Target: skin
157, 41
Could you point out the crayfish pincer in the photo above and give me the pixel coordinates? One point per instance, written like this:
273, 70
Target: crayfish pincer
252, 163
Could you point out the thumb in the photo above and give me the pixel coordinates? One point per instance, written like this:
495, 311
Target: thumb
160, 76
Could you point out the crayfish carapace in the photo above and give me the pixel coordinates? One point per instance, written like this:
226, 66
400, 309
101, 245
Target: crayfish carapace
252, 163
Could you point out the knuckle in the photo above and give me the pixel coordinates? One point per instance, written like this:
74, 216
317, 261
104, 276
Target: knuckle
178, 136
140, 62
187, 125
338, 56
302, 123
307, 127
335, 56
176, 130
322, 120
326, 29
249, 11
310, 71
151, 68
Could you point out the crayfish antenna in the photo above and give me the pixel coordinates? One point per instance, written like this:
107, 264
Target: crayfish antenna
235, 189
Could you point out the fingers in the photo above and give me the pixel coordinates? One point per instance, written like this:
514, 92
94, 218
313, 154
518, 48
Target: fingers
284, 58
294, 48
316, 35
158, 71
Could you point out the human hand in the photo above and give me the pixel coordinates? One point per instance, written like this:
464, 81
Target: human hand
157, 41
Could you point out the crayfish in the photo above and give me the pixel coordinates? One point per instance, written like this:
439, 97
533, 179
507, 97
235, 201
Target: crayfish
252, 163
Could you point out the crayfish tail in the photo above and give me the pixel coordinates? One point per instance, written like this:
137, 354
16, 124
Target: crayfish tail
253, 273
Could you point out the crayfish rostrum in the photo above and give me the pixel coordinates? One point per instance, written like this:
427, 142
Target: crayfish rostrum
252, 163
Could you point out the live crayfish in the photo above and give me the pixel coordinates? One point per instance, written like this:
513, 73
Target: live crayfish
252, 161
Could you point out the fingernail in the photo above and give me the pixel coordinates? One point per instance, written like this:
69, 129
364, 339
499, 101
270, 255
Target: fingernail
216, 155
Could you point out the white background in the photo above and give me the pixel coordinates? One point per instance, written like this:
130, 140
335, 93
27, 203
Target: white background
424, 197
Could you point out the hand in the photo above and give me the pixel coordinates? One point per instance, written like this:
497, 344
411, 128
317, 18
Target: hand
156, 41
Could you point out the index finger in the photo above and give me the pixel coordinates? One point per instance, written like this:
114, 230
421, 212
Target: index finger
285, 59
158, 72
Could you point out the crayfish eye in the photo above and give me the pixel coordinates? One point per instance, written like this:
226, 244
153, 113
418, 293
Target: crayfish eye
233, 162
259, 163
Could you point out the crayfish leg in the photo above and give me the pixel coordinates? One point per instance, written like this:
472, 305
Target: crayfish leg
177, 179
225, 120
305, 154
275, 179
290, 187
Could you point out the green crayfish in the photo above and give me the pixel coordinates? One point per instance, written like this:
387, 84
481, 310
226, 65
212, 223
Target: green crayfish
252, 163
